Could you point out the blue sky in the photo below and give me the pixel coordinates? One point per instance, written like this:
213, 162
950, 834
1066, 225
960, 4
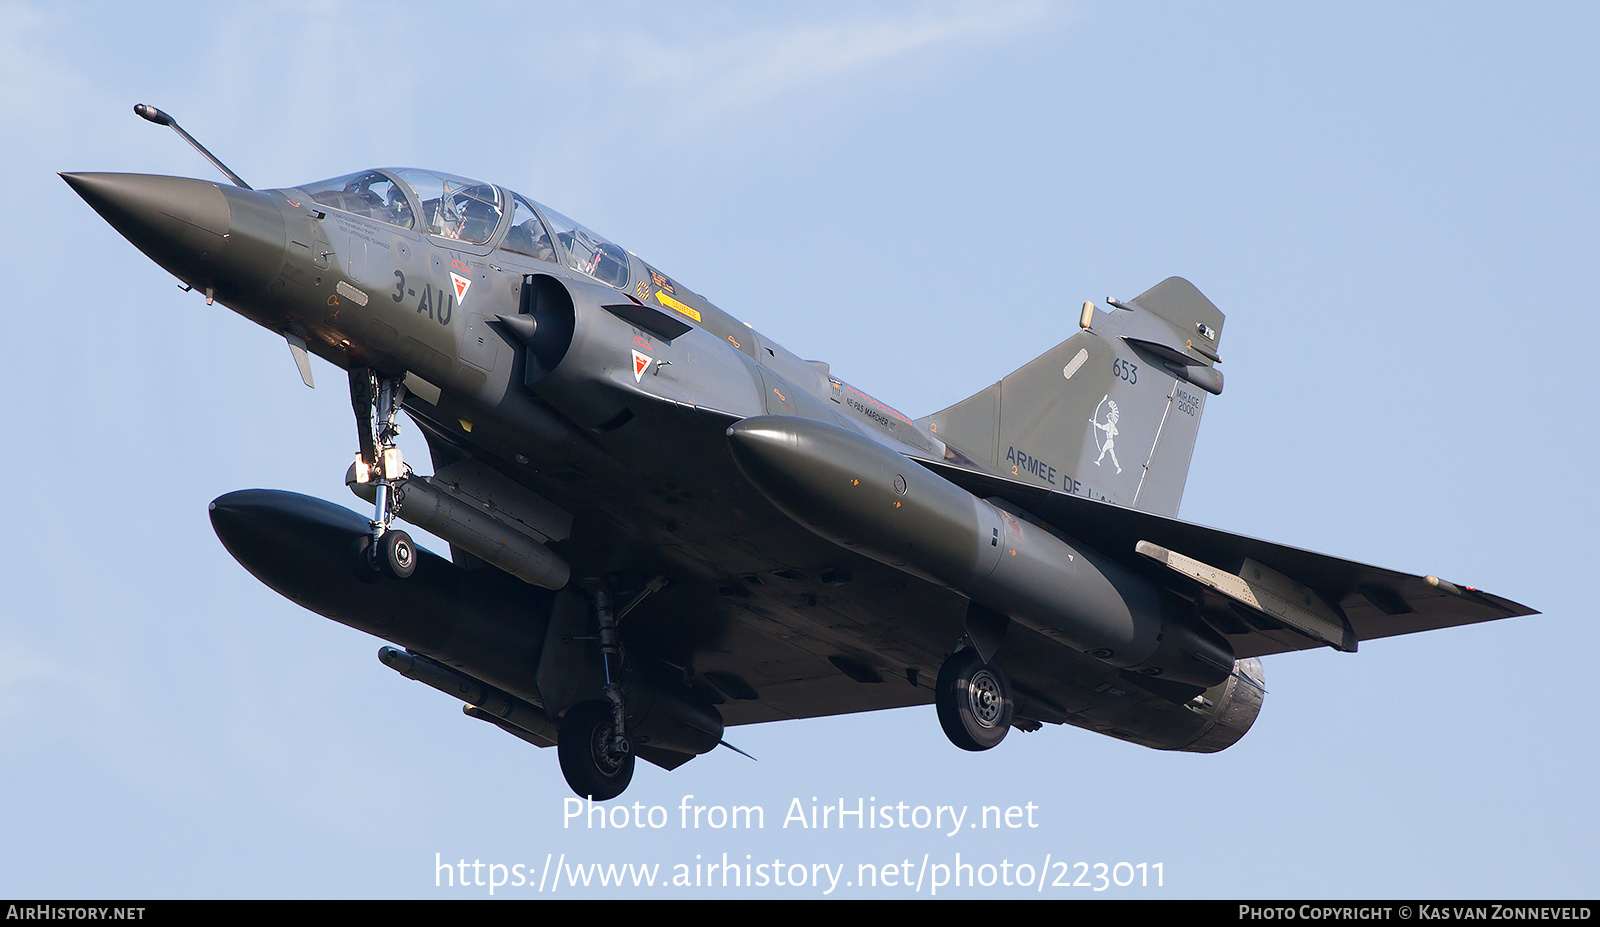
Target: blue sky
1395, 205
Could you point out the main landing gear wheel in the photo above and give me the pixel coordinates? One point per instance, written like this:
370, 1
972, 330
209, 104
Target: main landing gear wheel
974, 701
397, 554
584, 746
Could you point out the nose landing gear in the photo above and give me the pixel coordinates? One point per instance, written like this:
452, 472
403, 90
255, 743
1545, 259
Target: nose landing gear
974, 701
376, 400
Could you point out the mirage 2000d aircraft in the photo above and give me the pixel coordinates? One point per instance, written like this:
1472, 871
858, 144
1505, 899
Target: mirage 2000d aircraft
662, 523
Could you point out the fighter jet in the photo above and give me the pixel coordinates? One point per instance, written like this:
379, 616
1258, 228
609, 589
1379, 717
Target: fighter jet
662, 523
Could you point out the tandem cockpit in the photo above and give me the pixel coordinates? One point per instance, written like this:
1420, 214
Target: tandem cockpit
519, 235
478, 217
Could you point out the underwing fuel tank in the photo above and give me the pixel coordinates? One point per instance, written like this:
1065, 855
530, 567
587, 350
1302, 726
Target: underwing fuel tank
869, 498
490, 625
304, 548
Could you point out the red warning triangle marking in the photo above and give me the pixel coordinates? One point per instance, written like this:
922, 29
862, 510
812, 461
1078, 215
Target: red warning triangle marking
461, 286
640, 362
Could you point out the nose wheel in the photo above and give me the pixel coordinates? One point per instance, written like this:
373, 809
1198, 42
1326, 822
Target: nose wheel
974, 701
397, 554
596, 763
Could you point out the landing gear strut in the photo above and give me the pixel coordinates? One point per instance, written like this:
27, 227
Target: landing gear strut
376, 400
592, 744
974, 701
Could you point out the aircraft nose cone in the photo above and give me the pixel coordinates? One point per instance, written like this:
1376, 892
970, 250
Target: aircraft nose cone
207, 235
180, 223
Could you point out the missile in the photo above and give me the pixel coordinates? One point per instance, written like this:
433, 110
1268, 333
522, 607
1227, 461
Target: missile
871, 499
502, 709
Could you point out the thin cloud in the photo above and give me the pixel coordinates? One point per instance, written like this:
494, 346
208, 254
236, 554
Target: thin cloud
32, 75
744, 71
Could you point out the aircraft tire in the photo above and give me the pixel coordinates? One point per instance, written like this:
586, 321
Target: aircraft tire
361, 563
588, 766
397, 554
974, 701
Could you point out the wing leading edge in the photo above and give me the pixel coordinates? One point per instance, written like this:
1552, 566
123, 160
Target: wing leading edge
1352, 602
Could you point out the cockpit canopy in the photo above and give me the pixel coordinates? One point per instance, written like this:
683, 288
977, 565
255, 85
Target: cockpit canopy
451, 207
590, 253
455, 207
370, 193
469, 211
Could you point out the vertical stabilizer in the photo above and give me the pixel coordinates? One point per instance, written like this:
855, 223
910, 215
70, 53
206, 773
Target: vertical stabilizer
1110, 413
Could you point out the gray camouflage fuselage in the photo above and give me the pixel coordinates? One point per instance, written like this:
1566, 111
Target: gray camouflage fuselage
674, 441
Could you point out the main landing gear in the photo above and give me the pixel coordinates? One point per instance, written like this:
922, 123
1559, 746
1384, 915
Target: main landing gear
376, 400
974, 701
592, 743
